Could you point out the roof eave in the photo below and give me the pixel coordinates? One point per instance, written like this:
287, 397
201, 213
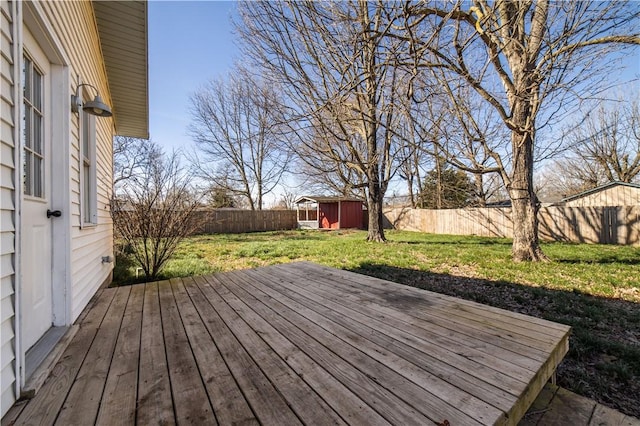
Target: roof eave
123, 30
326, 199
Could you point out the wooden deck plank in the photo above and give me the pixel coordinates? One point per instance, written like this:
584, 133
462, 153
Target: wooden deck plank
190, 399
396, 398
350, 407
154, 389
300, 344
309, 407
539, 406
226, 397
454, 385
527, 395
542, 332
118, 405
444, 318
398, 331
414, 328
44, 407
553, 328
265, 400
83, 401
11, 417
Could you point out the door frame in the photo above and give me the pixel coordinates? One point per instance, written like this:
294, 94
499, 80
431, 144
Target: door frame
30, 15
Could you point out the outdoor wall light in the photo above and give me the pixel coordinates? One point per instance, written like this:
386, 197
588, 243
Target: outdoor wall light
94, 107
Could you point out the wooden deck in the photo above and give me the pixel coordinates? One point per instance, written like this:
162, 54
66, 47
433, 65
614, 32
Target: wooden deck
294, 344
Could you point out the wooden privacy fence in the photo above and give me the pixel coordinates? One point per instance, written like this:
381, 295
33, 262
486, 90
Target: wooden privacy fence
604, 225
231, 221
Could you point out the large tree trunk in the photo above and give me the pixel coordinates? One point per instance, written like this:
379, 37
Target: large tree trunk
526, 245
374, 204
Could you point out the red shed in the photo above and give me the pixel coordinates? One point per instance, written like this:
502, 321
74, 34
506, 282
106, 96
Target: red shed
329, 212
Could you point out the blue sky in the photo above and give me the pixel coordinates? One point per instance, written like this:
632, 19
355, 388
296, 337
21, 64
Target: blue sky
190, 42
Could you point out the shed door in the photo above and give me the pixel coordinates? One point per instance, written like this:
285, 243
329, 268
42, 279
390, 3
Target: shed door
329, 216
36, 229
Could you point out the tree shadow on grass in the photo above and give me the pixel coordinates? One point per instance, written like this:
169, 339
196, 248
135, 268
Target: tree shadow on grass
269, 236
602, 260
456, 240
603, 362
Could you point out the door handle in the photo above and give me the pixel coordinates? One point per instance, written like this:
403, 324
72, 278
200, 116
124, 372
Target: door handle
54, 213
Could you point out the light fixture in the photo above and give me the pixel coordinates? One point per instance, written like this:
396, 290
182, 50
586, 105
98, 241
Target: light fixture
94, 107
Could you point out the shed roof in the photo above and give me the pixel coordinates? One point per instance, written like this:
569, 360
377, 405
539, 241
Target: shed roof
122, 26
326, 199
600, 188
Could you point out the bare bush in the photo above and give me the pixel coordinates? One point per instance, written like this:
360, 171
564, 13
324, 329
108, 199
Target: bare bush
154, 209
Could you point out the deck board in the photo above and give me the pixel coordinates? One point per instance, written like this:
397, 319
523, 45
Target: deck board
190, 399
118, 404
295, 344
345, 402
43, 409
388, 405
154, 388
83, 402
225, 396
399, 326
266, 402
302, 399
427, 392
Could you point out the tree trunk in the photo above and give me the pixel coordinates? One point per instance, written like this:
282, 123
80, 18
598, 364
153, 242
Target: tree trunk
438, 182
526, 246
412, 198
374, 204
480, 193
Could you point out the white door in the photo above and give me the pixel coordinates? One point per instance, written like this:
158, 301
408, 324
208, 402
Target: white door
36, 232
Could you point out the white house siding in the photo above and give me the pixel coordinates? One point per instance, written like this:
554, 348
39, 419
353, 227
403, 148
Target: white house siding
74, 24
7, 203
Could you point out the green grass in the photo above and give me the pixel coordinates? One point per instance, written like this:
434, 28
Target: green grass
593, 288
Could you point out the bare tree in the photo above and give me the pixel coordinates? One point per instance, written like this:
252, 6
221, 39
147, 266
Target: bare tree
606, 146
339, 72
470, 139
421, 131
328, 173
237, 129
287, 201
154, 210
531, 62
130, 157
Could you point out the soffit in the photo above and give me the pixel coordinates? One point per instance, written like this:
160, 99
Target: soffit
122, 26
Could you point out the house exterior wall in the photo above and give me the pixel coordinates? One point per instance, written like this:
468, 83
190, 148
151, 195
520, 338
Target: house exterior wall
351, 214
74, 25
8, 32
69, 30
619, 195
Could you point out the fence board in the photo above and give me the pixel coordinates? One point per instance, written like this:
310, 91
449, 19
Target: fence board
603, 225
229, 221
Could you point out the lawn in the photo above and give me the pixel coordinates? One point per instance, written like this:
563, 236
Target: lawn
593, 288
